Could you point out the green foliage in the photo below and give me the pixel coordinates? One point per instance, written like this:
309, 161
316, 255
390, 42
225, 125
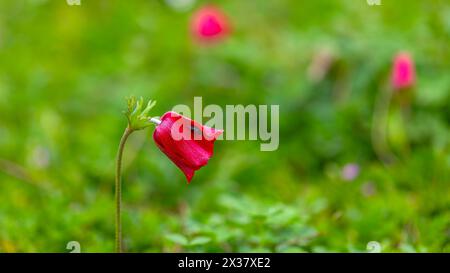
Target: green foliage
66, 70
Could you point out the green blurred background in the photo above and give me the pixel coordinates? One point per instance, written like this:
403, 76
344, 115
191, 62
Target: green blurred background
65, 72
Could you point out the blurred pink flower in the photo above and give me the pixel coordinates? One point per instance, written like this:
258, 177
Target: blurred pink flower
403, 71
350, 171
209, 24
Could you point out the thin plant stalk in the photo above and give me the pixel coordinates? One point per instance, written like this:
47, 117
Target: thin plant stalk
118, 188
379, 127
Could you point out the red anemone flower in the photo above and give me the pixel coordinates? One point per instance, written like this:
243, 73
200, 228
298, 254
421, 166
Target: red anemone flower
186, 142
403, 71
209, 23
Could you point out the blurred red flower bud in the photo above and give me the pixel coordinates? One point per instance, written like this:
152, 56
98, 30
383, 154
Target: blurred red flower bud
209, 24
403, 71
186, 142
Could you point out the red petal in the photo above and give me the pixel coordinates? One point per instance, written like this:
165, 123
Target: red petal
188, 153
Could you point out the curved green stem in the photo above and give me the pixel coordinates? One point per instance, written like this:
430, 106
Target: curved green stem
118, 194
